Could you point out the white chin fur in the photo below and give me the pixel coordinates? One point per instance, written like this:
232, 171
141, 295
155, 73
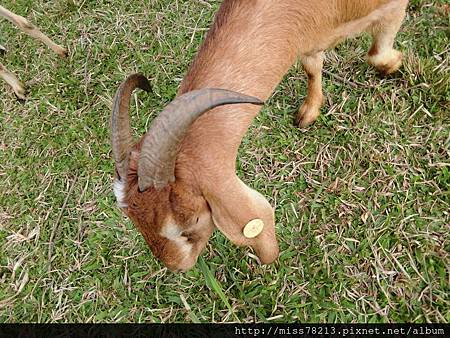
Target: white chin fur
172, 231
119, 191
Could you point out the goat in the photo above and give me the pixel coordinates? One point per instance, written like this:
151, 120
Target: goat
179, 181
31, 30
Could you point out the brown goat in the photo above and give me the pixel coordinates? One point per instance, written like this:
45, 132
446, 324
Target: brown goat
178, 182
24, 25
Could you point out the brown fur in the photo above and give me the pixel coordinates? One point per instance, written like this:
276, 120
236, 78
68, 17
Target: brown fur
250, 47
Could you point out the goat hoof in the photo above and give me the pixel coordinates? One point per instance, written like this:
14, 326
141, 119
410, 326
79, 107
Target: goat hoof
20, 93
387, 63
307, 115
21, 96
63, 53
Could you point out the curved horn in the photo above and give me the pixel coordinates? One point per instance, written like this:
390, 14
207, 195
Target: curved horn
157, 161
120, 123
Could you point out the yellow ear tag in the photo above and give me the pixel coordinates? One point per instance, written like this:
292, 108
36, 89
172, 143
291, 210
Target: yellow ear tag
253, 228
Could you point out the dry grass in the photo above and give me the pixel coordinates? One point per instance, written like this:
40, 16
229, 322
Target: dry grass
362, 196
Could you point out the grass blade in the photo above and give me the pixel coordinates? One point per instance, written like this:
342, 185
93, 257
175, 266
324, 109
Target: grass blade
215, 286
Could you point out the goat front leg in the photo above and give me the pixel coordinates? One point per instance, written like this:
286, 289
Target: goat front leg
32, 31
382, 55
310, 109
13, 81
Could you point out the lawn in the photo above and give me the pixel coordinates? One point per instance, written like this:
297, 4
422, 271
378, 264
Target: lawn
361, 197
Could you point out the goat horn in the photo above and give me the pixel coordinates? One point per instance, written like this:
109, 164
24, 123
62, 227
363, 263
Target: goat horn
120, 123
157, 160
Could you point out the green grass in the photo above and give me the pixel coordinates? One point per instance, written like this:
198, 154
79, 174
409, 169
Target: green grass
362, 196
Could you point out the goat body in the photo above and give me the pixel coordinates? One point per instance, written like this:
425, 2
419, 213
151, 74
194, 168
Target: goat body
249, 48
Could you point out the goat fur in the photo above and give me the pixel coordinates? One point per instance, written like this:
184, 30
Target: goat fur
249, 48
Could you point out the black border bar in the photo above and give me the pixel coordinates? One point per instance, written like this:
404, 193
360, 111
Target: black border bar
222, 330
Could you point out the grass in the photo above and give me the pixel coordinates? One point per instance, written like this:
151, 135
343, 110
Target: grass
362, 196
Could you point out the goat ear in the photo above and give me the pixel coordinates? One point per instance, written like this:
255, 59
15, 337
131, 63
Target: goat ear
233, 207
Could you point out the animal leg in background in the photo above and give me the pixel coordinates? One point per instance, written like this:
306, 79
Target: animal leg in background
13, 81
310, 109
31, 30
25, 26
